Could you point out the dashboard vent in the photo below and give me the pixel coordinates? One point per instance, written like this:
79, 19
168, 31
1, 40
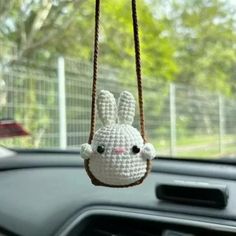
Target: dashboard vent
117, 226
194, 194
109, 225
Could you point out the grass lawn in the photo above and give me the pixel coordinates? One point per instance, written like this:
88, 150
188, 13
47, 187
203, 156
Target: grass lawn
199, 146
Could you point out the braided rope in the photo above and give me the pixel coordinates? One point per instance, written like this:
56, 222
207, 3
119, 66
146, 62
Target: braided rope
95, 70
138, 69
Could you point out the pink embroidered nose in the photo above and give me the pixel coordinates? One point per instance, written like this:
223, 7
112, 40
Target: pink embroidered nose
119, 150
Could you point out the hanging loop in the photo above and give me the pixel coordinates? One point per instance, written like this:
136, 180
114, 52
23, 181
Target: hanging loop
95, 71
138, 69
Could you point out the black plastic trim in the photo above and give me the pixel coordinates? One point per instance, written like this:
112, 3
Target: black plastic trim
210, 195
46, 151
141, 215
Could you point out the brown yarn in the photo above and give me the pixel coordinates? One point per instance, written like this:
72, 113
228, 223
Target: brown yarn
95, 71
138, 68
94, 86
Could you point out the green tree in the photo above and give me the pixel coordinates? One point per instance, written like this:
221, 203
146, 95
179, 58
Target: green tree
31, 24
50, 27
204, 31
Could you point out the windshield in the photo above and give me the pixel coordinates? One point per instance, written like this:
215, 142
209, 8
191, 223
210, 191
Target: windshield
188, 52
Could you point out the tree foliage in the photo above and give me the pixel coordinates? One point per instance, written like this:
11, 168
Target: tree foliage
191, 42
204, 31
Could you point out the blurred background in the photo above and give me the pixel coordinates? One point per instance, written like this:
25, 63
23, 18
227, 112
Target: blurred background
189, 70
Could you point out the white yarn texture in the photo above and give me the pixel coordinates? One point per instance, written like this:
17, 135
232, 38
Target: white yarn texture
110, 167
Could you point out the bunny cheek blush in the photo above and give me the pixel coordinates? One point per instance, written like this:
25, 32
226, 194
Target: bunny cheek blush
117, 156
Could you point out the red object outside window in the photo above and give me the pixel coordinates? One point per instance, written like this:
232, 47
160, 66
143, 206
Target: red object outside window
10, 128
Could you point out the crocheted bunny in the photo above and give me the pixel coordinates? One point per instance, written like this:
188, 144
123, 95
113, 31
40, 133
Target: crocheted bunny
117, 156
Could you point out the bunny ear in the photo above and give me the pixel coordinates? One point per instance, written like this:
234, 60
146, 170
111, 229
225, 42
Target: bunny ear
106, 105
126, 108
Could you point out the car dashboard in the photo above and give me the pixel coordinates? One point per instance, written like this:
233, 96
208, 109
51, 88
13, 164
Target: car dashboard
48, 193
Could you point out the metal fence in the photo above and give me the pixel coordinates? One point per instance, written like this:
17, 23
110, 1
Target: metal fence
52, 100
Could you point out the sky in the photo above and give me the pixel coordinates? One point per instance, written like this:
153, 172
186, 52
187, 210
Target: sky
233, 2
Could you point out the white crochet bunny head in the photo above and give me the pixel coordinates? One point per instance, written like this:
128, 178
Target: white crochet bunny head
117, 156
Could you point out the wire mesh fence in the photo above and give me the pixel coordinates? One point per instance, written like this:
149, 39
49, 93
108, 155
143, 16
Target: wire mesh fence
180, 121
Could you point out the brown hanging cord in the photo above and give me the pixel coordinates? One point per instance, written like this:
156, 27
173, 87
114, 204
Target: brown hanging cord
138, 70
95, 71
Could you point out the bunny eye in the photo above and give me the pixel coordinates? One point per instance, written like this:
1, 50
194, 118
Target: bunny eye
135, 149
101, 149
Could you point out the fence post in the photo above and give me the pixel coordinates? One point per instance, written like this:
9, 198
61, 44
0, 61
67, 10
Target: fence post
221, 123
172, 120
62, 102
